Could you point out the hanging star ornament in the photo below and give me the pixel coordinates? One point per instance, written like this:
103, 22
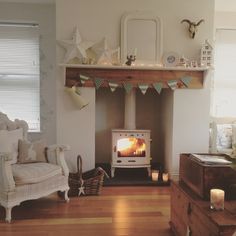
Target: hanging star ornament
75, 48
81, 189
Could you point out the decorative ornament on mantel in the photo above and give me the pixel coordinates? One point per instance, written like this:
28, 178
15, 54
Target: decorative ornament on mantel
75, 48
103, 54
206, 54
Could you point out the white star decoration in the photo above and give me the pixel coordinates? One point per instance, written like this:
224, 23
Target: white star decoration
103, 54
75, 48
81, 189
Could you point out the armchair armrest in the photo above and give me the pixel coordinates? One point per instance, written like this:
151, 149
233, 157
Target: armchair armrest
7, 182
55, 155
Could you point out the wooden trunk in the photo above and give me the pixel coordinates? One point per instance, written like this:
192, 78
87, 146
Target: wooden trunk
190, 215
202, 177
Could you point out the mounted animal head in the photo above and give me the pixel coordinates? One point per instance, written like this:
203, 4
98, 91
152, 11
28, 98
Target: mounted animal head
192, 26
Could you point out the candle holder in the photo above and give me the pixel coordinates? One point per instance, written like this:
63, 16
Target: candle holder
217, 197
155, 175
165, 177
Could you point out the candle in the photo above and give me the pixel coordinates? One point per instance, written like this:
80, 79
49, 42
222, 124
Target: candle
165, 177
135, 52
217, 199
155, 175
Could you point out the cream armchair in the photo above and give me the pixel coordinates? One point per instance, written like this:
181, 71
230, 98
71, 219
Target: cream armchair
21, 182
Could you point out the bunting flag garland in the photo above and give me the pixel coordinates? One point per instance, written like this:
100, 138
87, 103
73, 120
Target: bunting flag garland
158, 87
143, 88
186, 81
128, 87
98, 82
113, 86
172, 84
83, 78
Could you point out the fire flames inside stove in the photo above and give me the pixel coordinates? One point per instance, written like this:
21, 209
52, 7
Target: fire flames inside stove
131, 147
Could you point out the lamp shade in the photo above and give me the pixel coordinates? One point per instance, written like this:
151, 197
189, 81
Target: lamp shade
75, 94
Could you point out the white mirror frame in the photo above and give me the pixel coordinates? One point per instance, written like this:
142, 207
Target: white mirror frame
139, 15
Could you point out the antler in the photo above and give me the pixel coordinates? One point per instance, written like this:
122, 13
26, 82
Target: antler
199, 22
186, 20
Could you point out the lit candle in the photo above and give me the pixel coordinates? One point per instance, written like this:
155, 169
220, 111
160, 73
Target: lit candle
165, 177
217, 197
155, 175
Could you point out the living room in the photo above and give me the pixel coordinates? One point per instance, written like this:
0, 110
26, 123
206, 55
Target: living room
179, 119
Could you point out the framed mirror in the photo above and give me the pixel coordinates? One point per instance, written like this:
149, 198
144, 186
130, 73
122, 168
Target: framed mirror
141, 36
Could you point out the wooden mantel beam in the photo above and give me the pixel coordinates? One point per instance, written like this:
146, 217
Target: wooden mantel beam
134, 75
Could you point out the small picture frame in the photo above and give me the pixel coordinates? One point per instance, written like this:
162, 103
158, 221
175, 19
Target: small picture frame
170, 59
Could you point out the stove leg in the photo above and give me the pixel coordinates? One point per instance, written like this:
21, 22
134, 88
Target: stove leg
112, 172
149, 171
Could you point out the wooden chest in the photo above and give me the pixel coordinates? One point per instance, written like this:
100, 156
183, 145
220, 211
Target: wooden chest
190, 215
202, 177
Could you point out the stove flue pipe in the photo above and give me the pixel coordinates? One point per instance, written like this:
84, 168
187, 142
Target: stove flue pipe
130, 110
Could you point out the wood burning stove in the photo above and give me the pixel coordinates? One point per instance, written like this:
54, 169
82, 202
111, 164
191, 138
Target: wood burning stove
130, 149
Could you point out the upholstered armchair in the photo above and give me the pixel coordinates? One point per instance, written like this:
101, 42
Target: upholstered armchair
29, 178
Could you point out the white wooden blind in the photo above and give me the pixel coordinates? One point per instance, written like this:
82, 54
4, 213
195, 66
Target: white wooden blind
224, 83
19, 73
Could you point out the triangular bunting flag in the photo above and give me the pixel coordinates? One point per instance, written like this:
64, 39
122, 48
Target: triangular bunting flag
172, 84
186, 80
98, 82
83, 78
113, 86
143, 88
158, 87
127, 87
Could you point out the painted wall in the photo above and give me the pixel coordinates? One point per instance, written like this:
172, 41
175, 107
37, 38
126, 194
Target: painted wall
190, 124
167, 102
102, 18
44, 15
225, 20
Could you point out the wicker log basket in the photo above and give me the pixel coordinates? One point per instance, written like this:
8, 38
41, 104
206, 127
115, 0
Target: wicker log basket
87, 183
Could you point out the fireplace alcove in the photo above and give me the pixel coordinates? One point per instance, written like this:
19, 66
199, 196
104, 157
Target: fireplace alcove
151, 108
110, 115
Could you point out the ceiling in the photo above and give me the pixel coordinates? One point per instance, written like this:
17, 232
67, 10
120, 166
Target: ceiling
220, 5
30, 1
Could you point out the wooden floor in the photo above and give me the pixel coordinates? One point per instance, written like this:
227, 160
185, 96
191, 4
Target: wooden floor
139, 211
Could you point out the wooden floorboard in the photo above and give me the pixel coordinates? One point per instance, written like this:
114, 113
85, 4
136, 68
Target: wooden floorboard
118, 211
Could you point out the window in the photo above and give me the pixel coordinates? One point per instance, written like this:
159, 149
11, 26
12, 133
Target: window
19, 73
224, 83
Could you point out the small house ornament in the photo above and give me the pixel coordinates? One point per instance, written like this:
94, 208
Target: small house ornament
206, 54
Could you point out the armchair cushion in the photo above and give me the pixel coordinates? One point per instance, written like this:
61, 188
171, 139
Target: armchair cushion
31, 152
9, 142
32, 173
224, 136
